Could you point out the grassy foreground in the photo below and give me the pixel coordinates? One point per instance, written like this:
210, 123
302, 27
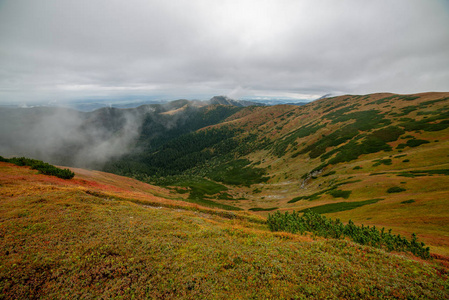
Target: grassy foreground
78, 240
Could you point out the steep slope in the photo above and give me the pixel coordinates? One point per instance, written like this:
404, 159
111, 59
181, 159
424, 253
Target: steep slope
101, 235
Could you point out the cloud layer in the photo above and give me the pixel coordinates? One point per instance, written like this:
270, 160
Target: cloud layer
57, 50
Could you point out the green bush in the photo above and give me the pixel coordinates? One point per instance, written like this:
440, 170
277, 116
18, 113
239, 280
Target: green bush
321, 226
395, 189
412, 143
42, 167
363, 121
263, 209
388, 134
429, 124
407, 201
329, 173
415, 173
308, 197
339, 193
238, 172
379, 162
416, 142
281, 145
339, 206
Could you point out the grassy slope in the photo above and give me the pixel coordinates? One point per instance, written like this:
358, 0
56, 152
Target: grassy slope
427, 216
104, 235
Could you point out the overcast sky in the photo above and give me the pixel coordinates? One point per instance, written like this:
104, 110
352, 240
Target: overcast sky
59, 50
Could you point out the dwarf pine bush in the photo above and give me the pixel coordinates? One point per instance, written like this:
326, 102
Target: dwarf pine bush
41, 166
321, 226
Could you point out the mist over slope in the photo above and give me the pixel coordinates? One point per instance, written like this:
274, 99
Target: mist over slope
90, 139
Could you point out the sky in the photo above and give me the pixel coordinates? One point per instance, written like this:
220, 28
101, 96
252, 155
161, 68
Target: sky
53, 51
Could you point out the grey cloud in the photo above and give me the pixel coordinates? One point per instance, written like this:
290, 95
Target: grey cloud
66, 136
80, 49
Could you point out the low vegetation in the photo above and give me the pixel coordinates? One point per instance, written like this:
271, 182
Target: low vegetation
331, 191
263, 209
412, 143
322, 226
200, 190
191, 237
435, 123
417, 173
238, 172
77, 239
379, 162
407, 201
395, 189
339, 194
42, 167
339, 206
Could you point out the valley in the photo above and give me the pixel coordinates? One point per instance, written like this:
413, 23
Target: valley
183, 175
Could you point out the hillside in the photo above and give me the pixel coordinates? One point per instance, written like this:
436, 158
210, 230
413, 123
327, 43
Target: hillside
91, 139
102, 235
387, 154
379, 160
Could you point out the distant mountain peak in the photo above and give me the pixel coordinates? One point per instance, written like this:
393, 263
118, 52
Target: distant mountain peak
225, 100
